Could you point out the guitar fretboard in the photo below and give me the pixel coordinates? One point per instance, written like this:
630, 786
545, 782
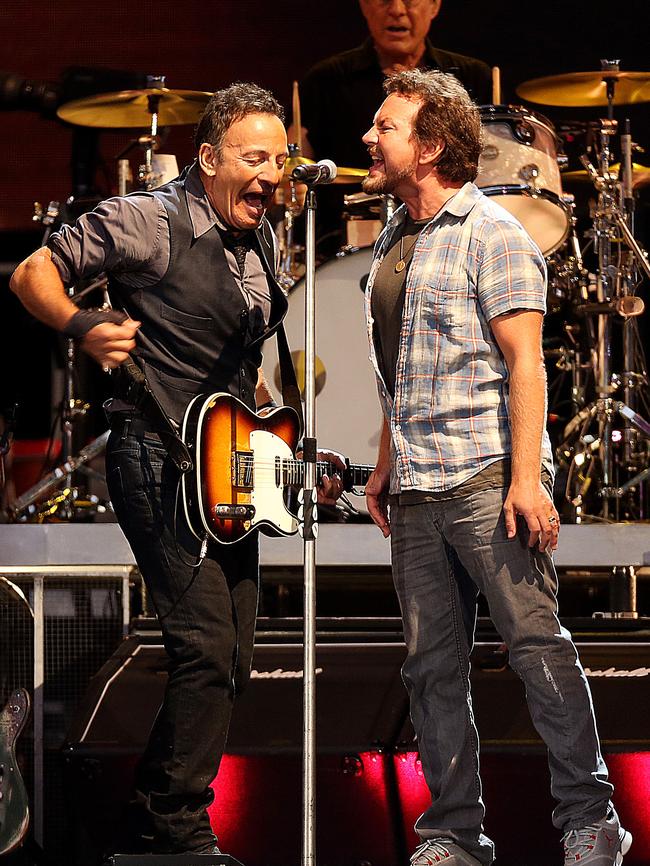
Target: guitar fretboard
291, 472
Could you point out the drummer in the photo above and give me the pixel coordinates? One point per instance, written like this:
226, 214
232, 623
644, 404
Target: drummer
340, 94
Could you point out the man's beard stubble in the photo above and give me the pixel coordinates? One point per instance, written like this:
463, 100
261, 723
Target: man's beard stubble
387, 182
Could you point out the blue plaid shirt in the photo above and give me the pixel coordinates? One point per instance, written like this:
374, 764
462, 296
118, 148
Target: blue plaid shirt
449, 416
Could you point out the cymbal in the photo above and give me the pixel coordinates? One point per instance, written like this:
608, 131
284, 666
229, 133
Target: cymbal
640, 174
344, 174
586, 88
131, 108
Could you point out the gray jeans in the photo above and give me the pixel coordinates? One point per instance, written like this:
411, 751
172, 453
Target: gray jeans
444, 552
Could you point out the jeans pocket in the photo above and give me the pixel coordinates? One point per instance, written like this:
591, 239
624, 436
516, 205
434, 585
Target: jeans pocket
132, 502
488, 519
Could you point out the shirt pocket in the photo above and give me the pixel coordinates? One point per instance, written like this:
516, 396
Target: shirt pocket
446, 303
185, 320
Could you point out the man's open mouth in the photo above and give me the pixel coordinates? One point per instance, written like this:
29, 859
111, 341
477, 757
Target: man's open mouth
396, 30
257, 201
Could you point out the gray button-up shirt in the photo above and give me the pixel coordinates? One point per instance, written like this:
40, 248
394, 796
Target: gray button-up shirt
129, 237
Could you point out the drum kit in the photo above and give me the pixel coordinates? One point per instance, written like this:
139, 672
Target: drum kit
594, 272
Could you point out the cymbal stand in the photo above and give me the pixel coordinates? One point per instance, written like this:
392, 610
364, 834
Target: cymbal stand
615, 291
288, 271
64, 504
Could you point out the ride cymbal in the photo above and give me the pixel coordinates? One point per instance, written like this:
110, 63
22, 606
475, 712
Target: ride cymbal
133, 108
576, 89
640, 175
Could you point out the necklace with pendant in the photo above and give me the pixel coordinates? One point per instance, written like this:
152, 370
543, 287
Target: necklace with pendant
401, 264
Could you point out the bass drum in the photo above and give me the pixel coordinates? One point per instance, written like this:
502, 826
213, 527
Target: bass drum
348, 416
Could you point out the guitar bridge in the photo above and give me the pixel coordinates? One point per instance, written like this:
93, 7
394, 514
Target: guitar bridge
242, 469
234, 511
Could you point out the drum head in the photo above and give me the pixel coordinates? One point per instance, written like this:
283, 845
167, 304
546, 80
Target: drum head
541, 213
518, 167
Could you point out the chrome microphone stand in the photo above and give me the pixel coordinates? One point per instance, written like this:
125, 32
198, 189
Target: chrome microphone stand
309, 531
308, 513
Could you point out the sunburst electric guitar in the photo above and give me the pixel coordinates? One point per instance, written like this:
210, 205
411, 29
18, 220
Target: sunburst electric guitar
244, 469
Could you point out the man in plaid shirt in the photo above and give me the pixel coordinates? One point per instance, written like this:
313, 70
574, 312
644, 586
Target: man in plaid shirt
455, 302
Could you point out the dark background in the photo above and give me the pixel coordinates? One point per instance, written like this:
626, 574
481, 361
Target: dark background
207, 45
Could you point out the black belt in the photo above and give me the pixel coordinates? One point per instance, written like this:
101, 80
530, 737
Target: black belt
123, 423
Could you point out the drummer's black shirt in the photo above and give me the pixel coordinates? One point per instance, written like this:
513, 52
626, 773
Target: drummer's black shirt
338, 99
340, 95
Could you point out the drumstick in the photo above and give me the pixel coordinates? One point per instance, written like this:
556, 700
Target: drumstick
297, 122
496, 85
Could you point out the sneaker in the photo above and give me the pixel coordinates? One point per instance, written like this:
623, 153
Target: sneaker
442, 851
600, 844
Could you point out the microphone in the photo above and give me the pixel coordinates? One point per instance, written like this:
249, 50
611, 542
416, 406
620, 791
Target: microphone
319, 172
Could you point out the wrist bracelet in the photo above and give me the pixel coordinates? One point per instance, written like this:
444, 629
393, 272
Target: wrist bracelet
84, 320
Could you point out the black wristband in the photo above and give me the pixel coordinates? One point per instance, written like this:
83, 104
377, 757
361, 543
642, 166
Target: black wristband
84, 320
271, 404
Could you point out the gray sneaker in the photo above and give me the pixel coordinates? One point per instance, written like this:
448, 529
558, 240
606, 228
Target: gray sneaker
442, 851
602, 843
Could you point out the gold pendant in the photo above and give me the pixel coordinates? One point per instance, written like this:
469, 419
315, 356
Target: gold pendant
399, 267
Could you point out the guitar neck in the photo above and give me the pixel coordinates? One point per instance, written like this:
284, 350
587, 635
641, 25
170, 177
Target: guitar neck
355, 475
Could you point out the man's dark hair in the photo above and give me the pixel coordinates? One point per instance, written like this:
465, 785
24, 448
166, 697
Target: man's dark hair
447, 115
231, 104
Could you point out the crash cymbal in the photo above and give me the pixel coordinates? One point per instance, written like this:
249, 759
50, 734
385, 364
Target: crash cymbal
346, 174
133, 108
640, 175
343, 174
586, 88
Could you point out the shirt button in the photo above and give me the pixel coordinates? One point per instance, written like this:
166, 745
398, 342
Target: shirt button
243, 372
398, 426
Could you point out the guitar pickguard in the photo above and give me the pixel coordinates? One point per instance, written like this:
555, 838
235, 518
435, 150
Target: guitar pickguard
268, 496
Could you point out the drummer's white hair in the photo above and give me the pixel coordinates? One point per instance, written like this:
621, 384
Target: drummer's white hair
447, 114
231, 104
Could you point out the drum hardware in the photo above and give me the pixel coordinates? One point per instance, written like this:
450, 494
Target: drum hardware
362, 219
602, 460
364, 216
154, 171
69, 503
29, 506
290, 269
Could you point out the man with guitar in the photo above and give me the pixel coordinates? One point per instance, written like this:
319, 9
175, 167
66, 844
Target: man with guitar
191, 267
455, 302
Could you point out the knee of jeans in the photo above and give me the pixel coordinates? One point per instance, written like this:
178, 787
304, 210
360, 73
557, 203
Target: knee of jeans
543, 651
207, 663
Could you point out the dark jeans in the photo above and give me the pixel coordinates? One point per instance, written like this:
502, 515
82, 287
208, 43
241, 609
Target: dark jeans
207, 616
444, 552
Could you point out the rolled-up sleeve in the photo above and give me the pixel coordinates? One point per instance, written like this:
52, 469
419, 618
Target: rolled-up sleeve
123, 236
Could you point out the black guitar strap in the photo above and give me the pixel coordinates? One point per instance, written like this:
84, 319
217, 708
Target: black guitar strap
288, 380
135, 389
